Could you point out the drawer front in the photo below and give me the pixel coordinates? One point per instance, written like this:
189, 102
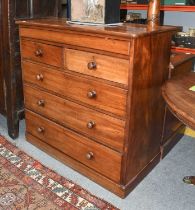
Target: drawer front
77, 39
95, 94
94, 155
101, 66
103, 128
43, 53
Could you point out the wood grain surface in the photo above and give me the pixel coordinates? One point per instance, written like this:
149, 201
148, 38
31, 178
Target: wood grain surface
111, 80
107, 130
121, 32
105, 67
82, 40
43, 53
108, 98
180, 64
180, 99
76, 146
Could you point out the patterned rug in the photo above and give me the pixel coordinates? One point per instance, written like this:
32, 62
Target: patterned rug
27, 184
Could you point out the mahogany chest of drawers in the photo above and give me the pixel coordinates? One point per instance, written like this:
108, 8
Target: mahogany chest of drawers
93, 96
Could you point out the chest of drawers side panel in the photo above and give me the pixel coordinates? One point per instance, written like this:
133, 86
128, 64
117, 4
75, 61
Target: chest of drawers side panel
146, 106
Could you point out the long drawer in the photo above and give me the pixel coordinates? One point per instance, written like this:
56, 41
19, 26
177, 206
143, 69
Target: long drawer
105, 129
94, 155
43, 53
78, 39
93, 93
101, 66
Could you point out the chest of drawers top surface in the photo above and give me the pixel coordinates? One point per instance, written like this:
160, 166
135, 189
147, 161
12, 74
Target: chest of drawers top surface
123, 30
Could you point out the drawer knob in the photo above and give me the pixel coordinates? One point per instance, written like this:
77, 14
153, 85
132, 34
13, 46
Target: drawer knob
92, 65
89, 155
39, 53
91, 94
41, 103
40, 130
39, 77
91, 124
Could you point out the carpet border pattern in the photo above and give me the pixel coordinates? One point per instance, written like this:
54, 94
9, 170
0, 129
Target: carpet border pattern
64, 193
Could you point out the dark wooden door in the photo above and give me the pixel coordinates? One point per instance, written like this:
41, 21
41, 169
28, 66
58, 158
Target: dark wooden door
11, 91
44, 8
2, 100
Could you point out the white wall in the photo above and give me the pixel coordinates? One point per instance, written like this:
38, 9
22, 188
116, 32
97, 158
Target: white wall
185, 19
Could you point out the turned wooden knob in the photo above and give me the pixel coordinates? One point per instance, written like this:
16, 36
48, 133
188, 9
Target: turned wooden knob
91, 94
39, 77
89, 155
91, 124
39, 53
41, 103
92, 65
40, 130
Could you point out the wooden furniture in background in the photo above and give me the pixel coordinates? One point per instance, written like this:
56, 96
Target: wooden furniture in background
181, 101
153, 15
173, 8
11, 95
2, 100
173, 129
93, 96
176, 8
183, 50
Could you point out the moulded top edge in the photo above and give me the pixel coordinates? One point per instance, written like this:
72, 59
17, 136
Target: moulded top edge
123, 30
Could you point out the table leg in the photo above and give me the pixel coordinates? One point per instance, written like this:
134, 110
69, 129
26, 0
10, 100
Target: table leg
189, 180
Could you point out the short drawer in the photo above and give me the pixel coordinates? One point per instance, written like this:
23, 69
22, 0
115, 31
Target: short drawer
43, 53
101, 66
96, 94
105, 129
92, 154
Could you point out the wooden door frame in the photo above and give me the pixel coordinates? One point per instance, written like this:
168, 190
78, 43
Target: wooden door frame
8, 70
13, 96
2, 98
